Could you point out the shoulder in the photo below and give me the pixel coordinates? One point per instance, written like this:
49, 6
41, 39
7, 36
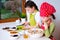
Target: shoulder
37, 13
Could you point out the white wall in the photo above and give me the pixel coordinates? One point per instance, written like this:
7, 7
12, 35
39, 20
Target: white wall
55, 3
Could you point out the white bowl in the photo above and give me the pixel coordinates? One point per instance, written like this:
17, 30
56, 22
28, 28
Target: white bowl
37, 34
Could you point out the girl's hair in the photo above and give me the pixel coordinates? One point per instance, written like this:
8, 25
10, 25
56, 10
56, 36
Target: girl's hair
31, 4
53, 16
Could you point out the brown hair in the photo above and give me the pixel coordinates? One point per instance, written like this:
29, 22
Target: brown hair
53, 16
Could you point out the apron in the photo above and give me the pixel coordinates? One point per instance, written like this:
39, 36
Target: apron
32, 19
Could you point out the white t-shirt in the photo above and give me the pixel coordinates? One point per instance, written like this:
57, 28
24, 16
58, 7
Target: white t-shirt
37, 17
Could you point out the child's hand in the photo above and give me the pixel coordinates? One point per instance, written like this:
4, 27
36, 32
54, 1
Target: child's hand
46, 25
26, 23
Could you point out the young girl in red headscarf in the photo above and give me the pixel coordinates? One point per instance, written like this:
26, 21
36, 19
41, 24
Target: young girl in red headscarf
46, 12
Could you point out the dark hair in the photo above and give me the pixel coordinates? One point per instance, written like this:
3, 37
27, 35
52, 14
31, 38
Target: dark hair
31, 4
53, 16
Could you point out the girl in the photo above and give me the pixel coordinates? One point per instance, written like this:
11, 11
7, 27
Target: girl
33, 17
46, 12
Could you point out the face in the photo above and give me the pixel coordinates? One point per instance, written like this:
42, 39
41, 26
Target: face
46, 19
30, 10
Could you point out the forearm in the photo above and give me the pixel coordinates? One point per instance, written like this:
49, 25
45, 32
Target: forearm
47, 33
52, 27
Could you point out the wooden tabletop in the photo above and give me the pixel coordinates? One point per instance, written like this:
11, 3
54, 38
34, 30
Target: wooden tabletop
8, 20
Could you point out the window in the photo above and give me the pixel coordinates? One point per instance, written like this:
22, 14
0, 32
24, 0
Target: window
11, 9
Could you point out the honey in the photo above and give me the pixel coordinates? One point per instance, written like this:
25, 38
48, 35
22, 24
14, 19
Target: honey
25, 36
13, 32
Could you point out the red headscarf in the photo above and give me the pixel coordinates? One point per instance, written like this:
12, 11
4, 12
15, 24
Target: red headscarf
46, 9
